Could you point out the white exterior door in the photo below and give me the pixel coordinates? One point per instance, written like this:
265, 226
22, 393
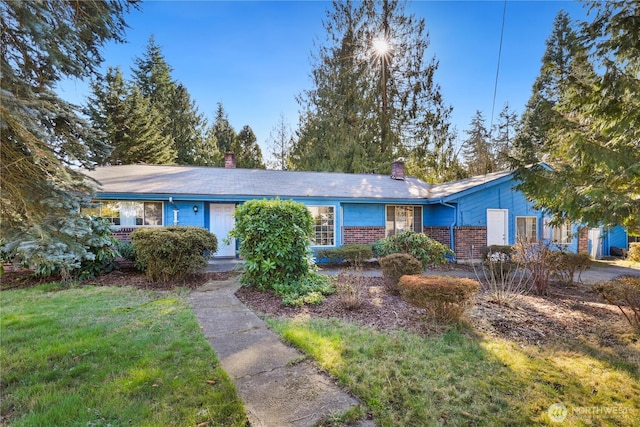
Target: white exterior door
595, 243
222, 223
497, 227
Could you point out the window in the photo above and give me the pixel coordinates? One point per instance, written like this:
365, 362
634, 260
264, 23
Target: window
527, 228
324, 221
128, 214
561, 235
403, 218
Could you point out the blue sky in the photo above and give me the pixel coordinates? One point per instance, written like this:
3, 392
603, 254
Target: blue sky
255, 57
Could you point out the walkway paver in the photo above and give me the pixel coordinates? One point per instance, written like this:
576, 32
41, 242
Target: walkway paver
278, 385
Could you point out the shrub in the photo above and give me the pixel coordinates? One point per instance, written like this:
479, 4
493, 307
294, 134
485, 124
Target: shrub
350, 289
354, 254
446, 297
82, 248
425, 249
310, 289
395, 266
536, 258
496, 253
170, 253
274, 242
127, 251
634, 252
621, 292
566, 264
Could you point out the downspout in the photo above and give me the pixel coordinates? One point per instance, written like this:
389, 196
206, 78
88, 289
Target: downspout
453, 224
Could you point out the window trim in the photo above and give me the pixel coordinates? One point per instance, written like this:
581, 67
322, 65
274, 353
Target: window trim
537, 236
101, 202
564, 227
420, 219
314, 240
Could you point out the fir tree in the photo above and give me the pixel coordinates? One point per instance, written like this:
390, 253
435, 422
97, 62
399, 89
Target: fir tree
43, 138
502, 137
280, 143
187, 127
370, 106
224, 134
477, 152
247, 151
593, 145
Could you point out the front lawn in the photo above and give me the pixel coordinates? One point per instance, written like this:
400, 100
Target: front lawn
98, 356
458, 378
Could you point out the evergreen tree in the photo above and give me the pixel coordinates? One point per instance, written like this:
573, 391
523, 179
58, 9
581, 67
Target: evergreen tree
477, 152
130, 124
107, 109
281, 141
188, 127
594, 144
370, 106
224, 134
43, 138
540, 114
502, 138
247, 151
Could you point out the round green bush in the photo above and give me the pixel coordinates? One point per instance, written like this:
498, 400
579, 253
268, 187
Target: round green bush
425, 249
170, 253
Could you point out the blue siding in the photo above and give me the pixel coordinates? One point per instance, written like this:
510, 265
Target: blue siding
616, 236
438, 216
186, 215
472, 208
366, 215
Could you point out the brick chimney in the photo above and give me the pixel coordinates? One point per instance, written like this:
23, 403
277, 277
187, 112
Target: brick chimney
229, 161
397, 170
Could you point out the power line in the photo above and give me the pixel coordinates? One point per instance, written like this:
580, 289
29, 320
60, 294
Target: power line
495, 86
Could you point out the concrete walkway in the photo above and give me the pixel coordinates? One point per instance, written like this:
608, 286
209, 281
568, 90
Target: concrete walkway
278, 385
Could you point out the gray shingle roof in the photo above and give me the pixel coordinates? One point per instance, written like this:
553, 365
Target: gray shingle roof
190, 180
208, 181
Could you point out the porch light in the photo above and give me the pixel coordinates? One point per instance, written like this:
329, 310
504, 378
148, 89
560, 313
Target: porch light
195, 209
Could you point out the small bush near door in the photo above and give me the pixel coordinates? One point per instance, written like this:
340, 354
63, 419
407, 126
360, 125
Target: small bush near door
170, 253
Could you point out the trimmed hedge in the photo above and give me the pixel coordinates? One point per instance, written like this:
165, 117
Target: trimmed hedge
354, 254
447, 297
395, 266
425, 249
170, 253
623, 292
634, 252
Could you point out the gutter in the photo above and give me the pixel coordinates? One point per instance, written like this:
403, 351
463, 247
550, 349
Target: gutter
455, 220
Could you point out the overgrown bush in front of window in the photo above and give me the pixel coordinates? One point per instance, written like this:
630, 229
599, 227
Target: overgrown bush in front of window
170, 253
634, 252
624, 293
275, 245
565, 265
446, 297
425, 249
355, 254
395, 266
82, 247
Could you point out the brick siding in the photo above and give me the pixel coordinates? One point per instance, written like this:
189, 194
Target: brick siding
364, 235
583, 240
123, 233
440, 234
468, 237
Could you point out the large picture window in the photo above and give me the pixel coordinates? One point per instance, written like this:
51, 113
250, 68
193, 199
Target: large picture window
402, 218
324, 221
128, 213
527, 228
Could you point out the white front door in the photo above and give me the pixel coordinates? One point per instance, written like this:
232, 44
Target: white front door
497, 227
222, 223
595, 243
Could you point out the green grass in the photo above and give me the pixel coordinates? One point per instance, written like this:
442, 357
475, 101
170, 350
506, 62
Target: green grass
98, 356
462, 379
